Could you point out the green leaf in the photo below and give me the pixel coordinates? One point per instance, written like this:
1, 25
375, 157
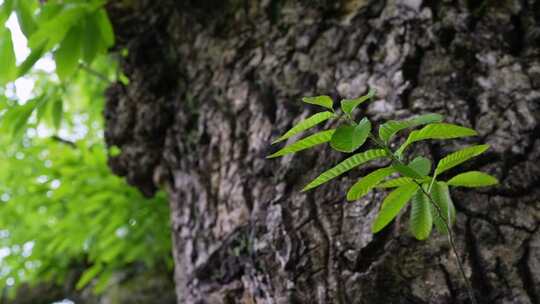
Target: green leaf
305, 143
53, 30
396, 182
392, 204
105, 27
348, 105
67, 55
16, 117
436, 131
24, 10
8, 67
323, 101
458, 157
91, 40
56, 113
472, 179
368, 182
344, 166
348, 138
88, 275
421, 221
29, 62
441, 197
406, 170
421, 165
41, 107
309, 122
390, 128
5, 10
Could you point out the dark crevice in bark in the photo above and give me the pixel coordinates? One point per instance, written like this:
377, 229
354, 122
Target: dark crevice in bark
479, 280
373, 251
516, 37
411, 71
446, 36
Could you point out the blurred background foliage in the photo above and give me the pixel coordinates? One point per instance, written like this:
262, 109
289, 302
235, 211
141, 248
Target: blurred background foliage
63, 215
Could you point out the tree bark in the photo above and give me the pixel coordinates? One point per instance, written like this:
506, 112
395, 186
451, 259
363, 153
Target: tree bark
212, 82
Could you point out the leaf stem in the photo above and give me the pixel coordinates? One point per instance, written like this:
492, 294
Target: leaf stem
468, 285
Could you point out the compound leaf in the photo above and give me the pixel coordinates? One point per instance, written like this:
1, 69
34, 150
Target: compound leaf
348, 138
368, 182
305, 124
392, 204
436, 131
421, 221
348, 105
344, 166
390, 128
472, 179
459, 157
323, 101
305, 143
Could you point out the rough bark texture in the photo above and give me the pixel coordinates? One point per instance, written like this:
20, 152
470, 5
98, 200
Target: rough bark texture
212, 82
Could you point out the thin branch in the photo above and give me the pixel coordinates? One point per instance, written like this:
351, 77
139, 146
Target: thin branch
63, 140
95, 73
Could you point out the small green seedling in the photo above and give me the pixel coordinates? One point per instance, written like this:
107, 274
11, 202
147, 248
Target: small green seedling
414, 181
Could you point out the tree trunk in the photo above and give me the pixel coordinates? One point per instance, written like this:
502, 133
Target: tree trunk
212, 82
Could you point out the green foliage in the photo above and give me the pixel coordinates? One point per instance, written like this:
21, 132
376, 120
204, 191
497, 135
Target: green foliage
421, 221
392, 204
390, 128
306, 124
8, 68
472, 179
323, 101
443, 200
368, 182
396, 182
60, 206
432, 208
305, 143
348, 105
63, 204
68, 53
344, 166
348, 138
78, 30
420, 165
436, 131
458, 157
64, 188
